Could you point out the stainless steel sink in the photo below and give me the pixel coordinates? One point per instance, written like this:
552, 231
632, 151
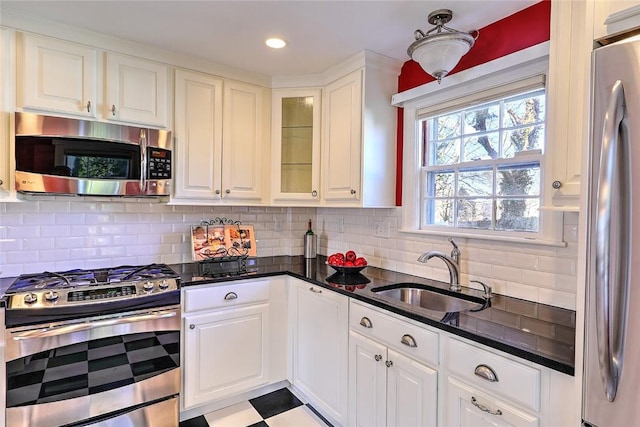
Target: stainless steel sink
431, 298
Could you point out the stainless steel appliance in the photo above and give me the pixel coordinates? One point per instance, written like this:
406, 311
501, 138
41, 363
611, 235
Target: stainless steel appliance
612, 345
68, 156
94, 347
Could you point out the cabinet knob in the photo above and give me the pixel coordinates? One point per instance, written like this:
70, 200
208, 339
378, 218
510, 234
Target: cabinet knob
408, 340
217, 191
366, 322
483, 408
484, 371
556, 185
192, 326
113, 110
353, 191
378, 357
1, 182
389, 363
227, 191
314, 193
230, 296
88, 106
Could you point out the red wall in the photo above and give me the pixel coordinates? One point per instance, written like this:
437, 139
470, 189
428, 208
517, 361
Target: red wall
521, 30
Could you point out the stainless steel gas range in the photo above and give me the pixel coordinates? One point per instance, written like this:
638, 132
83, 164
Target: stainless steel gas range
94, 347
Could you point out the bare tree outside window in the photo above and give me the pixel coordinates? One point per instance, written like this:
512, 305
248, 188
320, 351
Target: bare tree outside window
483, 165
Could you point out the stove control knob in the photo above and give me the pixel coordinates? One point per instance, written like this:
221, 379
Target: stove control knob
164, 284
30, 298
51, 296
147, 286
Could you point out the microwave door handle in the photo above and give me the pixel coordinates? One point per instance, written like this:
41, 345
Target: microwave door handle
143, 160
613, 231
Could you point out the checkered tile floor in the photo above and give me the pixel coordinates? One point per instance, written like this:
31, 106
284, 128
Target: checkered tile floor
277, 409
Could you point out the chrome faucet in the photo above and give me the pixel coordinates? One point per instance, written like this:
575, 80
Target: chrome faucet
450, 261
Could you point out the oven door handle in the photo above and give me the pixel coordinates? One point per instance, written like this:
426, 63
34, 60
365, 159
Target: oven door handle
66, 328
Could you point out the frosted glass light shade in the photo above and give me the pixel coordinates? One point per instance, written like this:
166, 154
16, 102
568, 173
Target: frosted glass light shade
439, 53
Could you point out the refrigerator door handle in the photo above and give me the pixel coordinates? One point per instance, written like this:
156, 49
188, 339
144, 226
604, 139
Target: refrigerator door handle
613, 249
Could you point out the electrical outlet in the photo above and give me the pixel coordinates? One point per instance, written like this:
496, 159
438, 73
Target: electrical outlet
382, 229
278, 224
340, 225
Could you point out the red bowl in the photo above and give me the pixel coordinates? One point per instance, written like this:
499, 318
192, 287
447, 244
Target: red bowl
347, 270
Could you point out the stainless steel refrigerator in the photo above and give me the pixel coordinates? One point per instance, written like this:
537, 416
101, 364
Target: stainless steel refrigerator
611, 395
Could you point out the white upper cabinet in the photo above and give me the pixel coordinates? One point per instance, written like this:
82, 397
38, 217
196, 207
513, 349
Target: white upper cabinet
136, 90
198, 136
359, 136
295, 140
61, 77
219, 131
245, 132
342, 147
7, 100
612, 17
57, 76
567, 103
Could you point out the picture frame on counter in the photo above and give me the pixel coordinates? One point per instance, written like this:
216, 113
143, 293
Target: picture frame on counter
222, 240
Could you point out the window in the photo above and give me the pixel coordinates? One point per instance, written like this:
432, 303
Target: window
480, 164
474, 162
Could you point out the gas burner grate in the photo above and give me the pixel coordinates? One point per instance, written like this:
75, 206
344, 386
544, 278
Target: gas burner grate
83, 278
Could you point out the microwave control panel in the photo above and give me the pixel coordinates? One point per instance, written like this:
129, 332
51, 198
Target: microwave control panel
159, 163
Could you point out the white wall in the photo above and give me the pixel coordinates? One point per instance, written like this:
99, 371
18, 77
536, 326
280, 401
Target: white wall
61, 233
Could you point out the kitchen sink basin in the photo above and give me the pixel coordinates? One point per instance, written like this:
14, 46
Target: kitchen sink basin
431, 298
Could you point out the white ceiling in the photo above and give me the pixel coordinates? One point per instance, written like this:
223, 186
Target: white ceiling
320, 33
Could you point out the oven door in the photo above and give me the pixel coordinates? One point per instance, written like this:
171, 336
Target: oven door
83, 371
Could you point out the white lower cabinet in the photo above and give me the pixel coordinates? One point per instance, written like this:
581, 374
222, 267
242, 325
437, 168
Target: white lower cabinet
319, 338
226, 353
467, 406
357, 364
388, 388
229, 345
487, 389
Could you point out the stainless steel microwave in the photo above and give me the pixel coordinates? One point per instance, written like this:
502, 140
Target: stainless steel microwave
59, 155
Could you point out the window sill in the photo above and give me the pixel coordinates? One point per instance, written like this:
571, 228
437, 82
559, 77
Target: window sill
460, 234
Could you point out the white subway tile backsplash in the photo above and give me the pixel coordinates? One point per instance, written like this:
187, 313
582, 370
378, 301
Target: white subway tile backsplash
557, 265
95, 232
38, 243
557, 298
56, 231
69, 242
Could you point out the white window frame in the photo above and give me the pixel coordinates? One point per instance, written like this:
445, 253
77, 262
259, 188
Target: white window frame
472, 84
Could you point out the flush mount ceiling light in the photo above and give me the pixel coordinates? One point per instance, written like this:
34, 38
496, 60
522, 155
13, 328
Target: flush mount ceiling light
275, 43
440, 49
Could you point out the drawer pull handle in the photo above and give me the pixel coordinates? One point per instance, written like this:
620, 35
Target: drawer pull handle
409, 341
230, 296
378, 357
483, 408
484, 371
366, 322
314, 291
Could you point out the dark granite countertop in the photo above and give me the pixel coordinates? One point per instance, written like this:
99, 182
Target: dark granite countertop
536, 332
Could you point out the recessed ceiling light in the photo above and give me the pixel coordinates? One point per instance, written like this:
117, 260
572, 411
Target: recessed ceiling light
275, 43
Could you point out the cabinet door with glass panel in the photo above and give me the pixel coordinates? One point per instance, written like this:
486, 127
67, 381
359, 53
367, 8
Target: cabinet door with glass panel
296, 145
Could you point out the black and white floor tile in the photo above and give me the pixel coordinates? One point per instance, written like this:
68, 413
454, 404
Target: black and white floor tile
280, 408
